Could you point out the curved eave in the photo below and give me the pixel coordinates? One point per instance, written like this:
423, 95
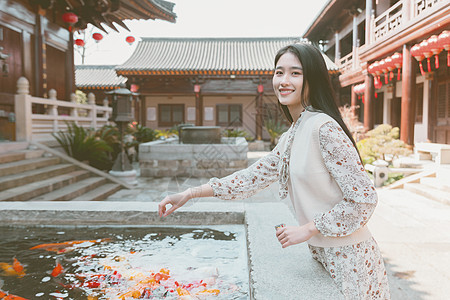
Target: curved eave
202, 72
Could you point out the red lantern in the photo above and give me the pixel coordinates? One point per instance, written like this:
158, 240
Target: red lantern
130, 40
384, 69
416, 51
79, 42
390, 66
70, 18
397, 60
426, 50
377, 84
444, 42
97, 37
435, 49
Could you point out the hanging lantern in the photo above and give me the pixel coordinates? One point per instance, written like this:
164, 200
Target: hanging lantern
70, 18
418, 55
435, 49
444, 42
97, 37
79, 42
130, 40
384, 70
426, 50
390, 66
397, 60
377, 84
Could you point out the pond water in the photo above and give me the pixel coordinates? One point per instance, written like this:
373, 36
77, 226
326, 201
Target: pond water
112, 262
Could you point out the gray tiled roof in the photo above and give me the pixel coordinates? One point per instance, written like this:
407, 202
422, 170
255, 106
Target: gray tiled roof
174, 56
95, 76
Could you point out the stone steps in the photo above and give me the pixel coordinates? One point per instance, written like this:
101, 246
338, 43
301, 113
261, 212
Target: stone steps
429, 192
34, 173
436, 183
73, 190
15, 180
31, 190
16, 167
100, 193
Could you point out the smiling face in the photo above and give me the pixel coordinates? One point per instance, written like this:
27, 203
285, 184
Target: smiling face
288, 83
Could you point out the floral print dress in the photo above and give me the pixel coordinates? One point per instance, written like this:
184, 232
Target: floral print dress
358, 270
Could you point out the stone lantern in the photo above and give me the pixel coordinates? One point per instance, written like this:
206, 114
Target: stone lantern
121, 115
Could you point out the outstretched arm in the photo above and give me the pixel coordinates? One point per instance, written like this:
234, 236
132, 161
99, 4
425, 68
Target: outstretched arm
240, 184
178, 200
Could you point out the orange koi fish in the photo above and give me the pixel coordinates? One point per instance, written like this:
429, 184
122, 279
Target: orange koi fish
16, 269
211, 291
57, 270
58, 247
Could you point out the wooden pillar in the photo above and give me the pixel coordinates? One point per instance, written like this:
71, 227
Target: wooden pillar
407, 118
354, 101
198, 106
368, 102
337, 48
369, 8
39, 50
70, 69
259, 113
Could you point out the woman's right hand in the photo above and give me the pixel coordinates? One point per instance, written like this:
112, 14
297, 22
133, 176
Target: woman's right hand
176, 200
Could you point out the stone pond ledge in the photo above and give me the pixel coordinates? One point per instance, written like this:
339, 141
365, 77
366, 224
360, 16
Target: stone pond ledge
166, 158
275, 273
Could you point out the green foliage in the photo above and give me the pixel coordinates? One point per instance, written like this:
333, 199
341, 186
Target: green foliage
382, 143
144, 134
275, 129
392, 177
83, 145
167, 133
81, 97
233, 132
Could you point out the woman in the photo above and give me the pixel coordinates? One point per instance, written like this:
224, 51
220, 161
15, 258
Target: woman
318, 166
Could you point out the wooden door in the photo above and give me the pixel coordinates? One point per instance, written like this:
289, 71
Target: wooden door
442, 123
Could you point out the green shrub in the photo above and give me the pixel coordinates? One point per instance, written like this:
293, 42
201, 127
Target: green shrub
233, 132
83, 145
382, 143
275, 130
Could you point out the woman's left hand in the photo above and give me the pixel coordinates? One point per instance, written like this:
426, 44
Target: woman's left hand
292, 235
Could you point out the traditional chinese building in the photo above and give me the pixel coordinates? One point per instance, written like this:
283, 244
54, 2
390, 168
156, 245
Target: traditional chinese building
97, 79
381, 48
36, 41
223, 82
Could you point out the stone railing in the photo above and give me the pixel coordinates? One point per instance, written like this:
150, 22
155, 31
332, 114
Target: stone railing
40, 126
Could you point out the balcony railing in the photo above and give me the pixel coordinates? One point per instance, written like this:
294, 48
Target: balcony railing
424, 6
346, 63
388, 22
403, 11
40, 126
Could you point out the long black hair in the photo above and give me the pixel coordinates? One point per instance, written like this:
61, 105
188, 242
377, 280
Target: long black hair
319, 92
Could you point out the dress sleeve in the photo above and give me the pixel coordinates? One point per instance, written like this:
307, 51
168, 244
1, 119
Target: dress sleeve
359, 194
247, 182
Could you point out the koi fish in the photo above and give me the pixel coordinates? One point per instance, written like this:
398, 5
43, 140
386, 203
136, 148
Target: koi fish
57, 270
59, 247
16, 269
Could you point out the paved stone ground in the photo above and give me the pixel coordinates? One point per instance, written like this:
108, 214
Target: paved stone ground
412, 231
